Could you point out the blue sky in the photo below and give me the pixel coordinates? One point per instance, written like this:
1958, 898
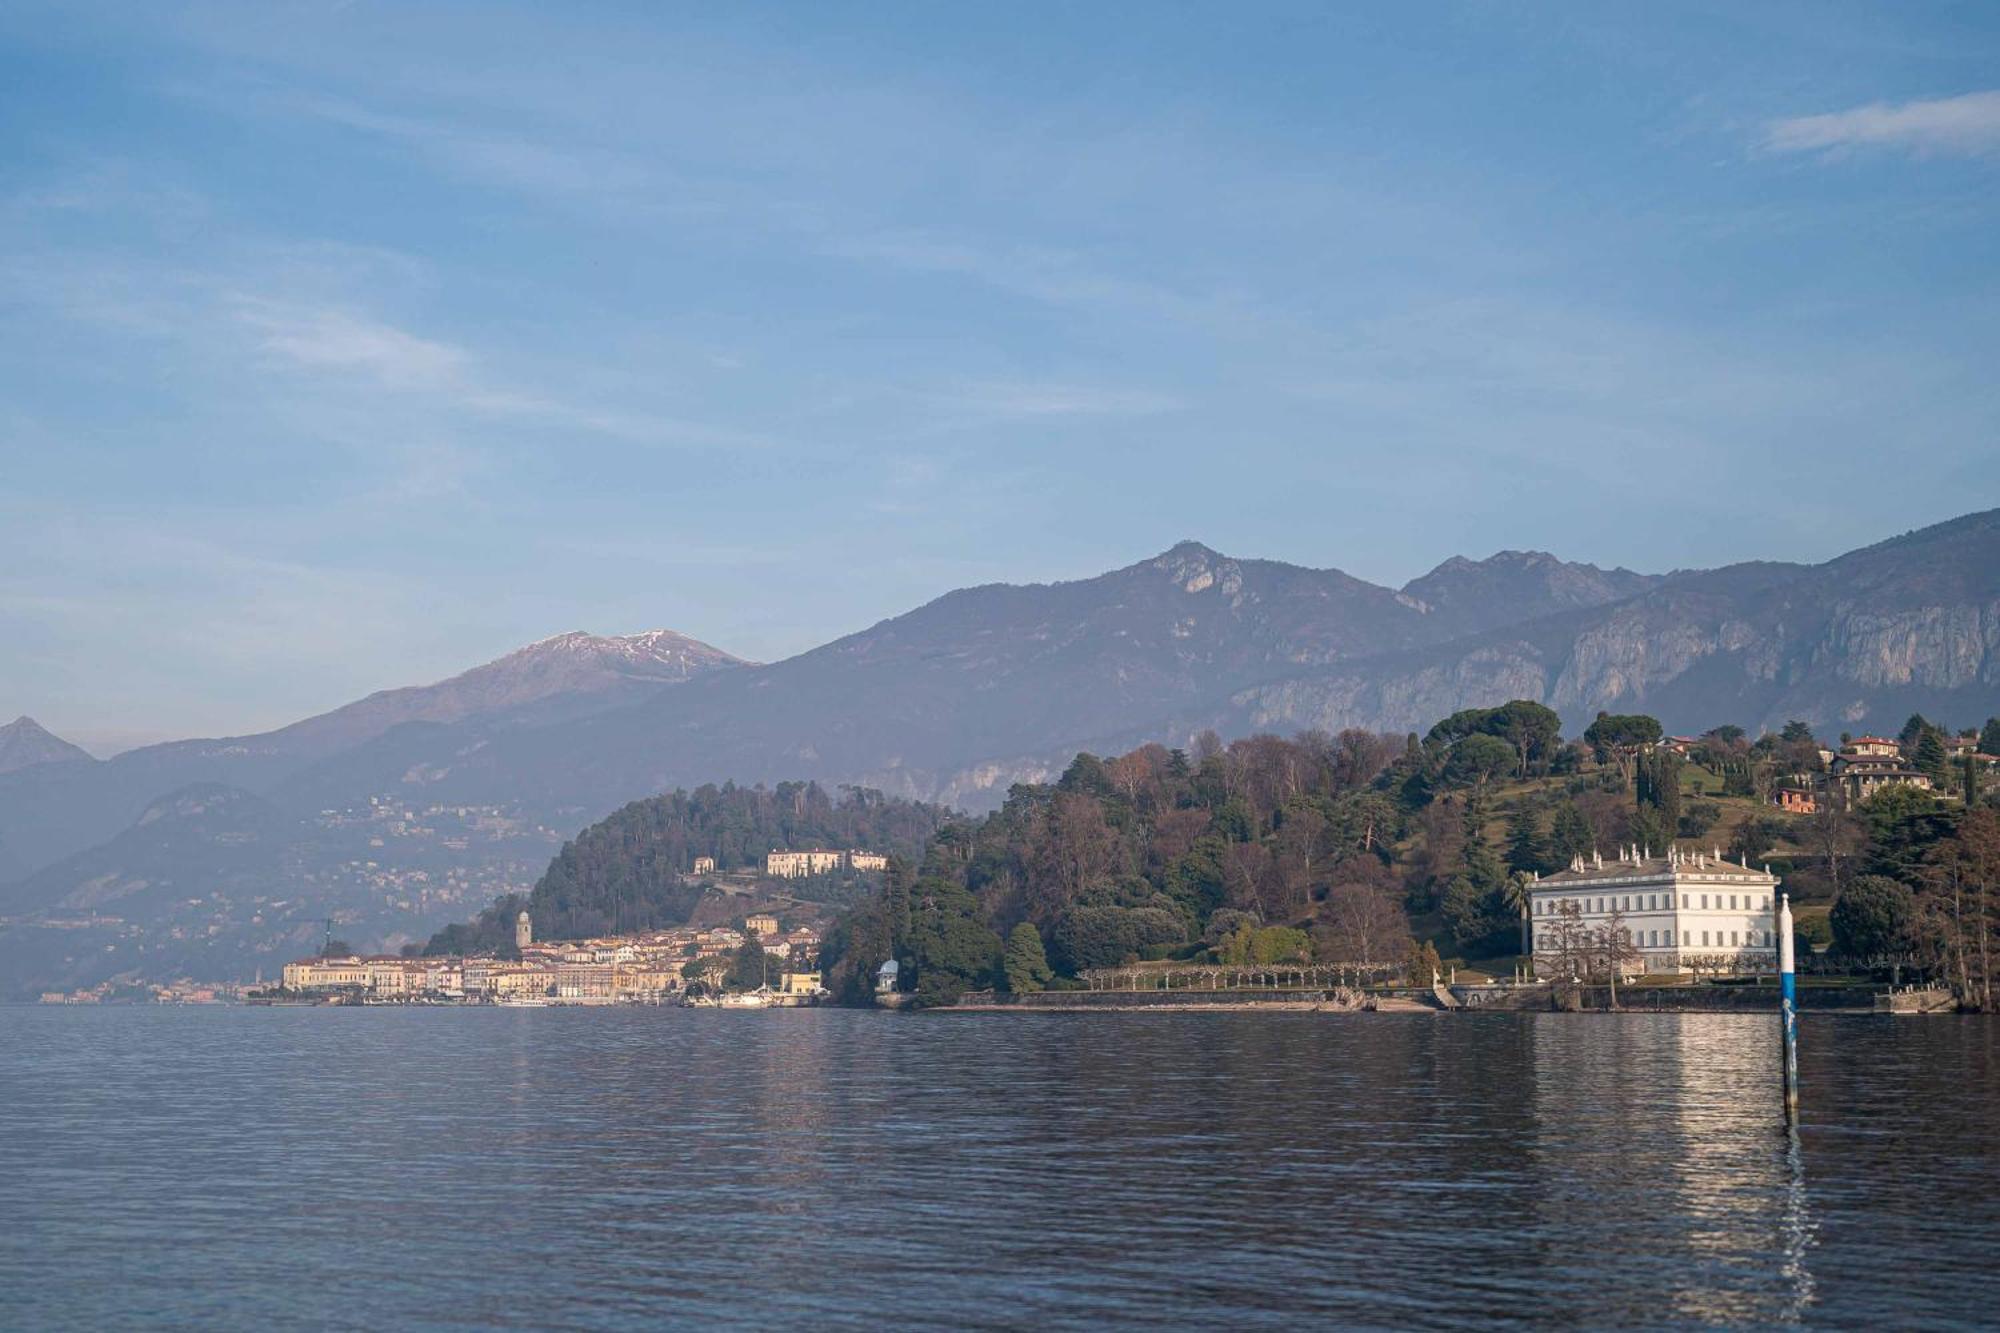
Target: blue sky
348, 345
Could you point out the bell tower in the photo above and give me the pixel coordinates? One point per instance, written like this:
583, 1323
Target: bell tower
524, 930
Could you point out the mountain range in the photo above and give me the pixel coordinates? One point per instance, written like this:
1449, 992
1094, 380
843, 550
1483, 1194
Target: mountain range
25, 742
987, 686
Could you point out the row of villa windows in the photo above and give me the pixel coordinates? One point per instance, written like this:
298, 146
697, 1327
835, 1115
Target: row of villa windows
1664, 939
1656, 902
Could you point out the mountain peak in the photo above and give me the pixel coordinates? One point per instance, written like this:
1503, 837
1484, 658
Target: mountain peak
25, 742
1513, 586
653, 653
1196, 568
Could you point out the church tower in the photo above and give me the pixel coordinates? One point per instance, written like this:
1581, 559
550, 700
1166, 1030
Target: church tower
524, 930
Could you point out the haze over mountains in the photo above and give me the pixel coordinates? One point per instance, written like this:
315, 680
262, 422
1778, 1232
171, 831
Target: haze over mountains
983, 687
25, 742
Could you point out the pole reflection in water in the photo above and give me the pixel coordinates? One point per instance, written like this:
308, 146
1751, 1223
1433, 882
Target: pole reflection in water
1797, 1234
1655, 1140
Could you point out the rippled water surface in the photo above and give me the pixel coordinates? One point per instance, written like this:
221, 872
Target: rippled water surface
388, 1168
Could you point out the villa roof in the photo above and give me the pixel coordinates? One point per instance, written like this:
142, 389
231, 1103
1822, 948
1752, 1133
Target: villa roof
1638, 865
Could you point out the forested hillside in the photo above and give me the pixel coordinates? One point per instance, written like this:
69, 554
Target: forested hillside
626, 872
1372, 849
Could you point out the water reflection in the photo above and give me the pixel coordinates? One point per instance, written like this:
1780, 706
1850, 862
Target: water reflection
607, 1169
1657, 1139
1797, 1231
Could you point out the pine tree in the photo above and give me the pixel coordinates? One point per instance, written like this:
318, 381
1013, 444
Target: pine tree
1482, 867
1930, 758
1570, 834
1527, 850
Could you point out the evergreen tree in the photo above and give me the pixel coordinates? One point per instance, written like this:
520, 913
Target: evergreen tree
1659, 787
1989, 737
1650, 831
1570, 834
1025, 962
747, 970
1527, 850
1930, 758
1480, 865
1424, 966
896, 901
1872, 918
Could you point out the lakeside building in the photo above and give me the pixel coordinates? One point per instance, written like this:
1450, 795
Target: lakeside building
641, 968
1679, 913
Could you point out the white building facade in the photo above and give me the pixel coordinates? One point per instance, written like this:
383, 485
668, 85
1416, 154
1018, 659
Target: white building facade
1684, 912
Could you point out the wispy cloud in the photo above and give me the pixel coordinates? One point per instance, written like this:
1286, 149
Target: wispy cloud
339, 340
1032, 400
1967, 125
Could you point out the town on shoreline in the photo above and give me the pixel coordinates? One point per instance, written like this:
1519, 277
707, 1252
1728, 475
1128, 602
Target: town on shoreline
684, 964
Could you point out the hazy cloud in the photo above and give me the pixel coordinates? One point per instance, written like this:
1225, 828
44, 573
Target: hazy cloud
1969, 124
1009, 400
341, 340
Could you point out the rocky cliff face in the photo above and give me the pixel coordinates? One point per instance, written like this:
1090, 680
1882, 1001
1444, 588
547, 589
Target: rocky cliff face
1911, 624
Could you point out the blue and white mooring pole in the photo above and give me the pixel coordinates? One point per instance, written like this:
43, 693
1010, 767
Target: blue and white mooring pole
1788, 1008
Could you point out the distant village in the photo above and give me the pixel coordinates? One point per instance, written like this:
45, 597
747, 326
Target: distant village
650, 968
684, 964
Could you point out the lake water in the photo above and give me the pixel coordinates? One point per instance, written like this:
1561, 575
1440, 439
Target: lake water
389, 1168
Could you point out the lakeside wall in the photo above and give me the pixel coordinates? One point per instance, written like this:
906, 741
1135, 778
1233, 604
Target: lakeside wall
1640, 999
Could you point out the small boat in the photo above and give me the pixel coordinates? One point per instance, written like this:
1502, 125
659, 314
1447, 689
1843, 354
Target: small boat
755, 999
523, 1002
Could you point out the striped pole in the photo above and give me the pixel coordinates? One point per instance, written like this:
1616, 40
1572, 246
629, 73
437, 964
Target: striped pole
1788, 1008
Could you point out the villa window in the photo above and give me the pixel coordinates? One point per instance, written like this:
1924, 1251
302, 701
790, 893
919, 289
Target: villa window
1733, 941
1687, 938
1704, 939
1684, 902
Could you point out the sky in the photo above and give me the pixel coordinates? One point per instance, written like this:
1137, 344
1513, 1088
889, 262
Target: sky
348, 345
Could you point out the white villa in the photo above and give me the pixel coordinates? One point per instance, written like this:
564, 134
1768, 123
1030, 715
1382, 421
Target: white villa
819, 861
1681, 912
